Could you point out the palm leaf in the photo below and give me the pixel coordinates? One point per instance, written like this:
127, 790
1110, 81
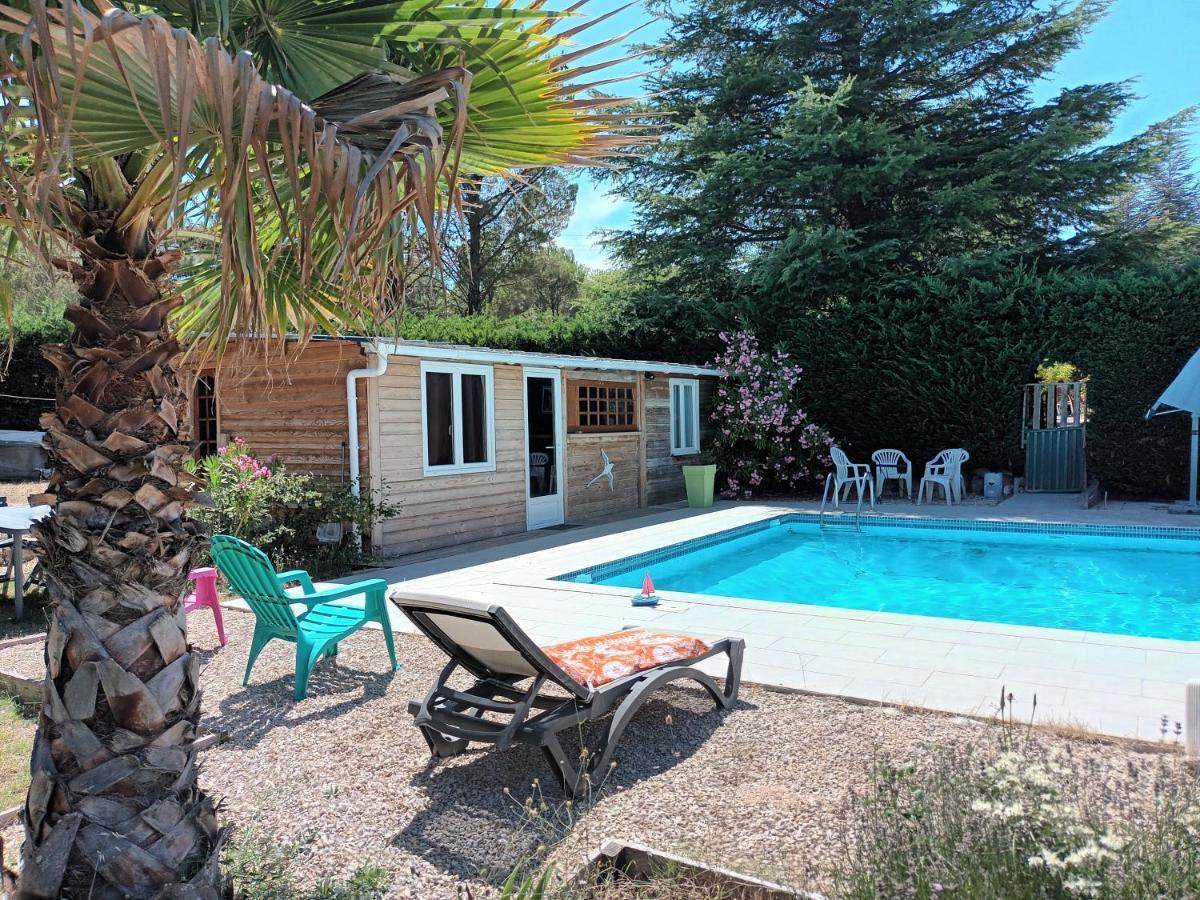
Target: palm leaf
313, 46
525, 106
295, 193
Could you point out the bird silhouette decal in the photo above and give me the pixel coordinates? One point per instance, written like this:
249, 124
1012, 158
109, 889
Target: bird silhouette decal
606, 472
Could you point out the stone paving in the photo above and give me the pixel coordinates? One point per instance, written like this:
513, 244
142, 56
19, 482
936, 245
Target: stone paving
1111, 684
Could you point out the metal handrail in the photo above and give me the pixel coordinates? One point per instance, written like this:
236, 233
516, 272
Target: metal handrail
824, 500
857, 507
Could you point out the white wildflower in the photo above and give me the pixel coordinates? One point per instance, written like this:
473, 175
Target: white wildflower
1010, 761
1051, 859
1083, 887
1011, 811
1114, 842
1039, 777
1089, 852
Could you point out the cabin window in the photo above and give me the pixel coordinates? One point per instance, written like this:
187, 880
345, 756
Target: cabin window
457, 420
204, 408
685, 416
599, 406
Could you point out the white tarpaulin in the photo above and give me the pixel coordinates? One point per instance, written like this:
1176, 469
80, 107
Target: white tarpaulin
1182, 394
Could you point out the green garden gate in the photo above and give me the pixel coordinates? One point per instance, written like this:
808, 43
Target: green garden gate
1053, 433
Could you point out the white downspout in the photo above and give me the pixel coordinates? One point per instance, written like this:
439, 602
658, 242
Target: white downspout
372, 371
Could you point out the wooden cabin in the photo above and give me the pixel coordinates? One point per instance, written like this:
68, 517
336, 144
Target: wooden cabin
470, 443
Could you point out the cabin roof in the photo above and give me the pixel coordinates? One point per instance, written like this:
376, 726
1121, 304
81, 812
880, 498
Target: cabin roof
464, 353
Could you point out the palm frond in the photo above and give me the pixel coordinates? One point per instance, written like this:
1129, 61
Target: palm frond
313, 46
527, 105
290, 189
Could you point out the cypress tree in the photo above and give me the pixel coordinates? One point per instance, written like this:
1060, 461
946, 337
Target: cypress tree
830, 148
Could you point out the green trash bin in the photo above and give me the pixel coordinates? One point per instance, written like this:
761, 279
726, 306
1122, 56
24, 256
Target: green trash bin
699, 481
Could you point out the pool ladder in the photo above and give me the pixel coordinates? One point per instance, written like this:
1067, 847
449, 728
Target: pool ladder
825, 495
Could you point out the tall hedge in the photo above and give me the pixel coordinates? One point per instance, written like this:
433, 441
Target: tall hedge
934, 363
942, 363
28, 375
537, 332
1132, 334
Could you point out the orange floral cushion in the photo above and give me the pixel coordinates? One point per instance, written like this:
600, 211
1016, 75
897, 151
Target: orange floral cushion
606, 657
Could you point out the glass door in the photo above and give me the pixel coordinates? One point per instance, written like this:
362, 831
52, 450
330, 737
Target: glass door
543, 448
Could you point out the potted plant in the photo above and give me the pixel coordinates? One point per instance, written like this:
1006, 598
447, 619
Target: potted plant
699, 477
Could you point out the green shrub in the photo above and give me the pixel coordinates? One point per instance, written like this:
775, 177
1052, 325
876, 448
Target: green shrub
541, 332
1051, 372
1030, 822
278, 511
259, 869
28, 381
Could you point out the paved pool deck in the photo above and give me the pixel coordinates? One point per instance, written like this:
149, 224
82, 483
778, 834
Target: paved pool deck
1111, 684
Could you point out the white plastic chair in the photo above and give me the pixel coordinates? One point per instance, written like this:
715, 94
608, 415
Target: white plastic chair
887, 468
847, 475
945, 470
538, 465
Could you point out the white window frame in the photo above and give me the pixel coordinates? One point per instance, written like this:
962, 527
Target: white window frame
685, 449
457, 370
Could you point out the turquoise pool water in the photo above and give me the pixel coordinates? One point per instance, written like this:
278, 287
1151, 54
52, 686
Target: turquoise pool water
1134, 586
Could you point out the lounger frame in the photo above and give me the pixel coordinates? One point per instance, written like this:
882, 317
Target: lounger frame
450, 719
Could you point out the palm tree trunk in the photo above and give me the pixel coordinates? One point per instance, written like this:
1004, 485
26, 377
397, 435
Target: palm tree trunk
114, 809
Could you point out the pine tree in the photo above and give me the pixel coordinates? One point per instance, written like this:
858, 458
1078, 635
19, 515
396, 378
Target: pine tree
828, 147
1158, 215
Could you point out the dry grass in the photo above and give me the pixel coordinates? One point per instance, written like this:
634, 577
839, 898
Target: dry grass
16, 740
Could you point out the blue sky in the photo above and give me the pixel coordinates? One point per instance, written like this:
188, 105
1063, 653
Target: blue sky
1152, 42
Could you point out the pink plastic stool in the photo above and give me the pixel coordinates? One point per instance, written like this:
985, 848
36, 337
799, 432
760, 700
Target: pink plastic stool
205, 595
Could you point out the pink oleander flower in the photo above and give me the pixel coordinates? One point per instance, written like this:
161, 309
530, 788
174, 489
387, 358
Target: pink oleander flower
764, 440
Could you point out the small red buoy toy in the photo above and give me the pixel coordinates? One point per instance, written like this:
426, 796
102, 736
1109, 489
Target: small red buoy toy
647, 597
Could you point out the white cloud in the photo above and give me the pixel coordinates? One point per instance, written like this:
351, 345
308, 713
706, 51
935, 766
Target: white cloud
595, 209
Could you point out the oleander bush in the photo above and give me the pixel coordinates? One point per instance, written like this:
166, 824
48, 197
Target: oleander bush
763, 439
260, 501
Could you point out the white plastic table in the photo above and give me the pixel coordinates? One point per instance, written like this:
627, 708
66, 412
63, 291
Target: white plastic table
16, 521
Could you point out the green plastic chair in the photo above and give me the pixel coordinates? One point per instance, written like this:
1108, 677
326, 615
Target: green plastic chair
315, 632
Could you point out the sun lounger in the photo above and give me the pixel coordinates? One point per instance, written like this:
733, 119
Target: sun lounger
614, 673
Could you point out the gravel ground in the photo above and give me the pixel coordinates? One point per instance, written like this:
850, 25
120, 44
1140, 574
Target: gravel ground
345, 779
24, 660
18, 492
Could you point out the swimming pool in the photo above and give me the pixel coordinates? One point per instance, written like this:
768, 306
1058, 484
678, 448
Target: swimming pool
1078, 578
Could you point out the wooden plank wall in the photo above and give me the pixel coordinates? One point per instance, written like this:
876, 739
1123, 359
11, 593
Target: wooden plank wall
664, 478
584, 464
443, 510
297, 410
583, 460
